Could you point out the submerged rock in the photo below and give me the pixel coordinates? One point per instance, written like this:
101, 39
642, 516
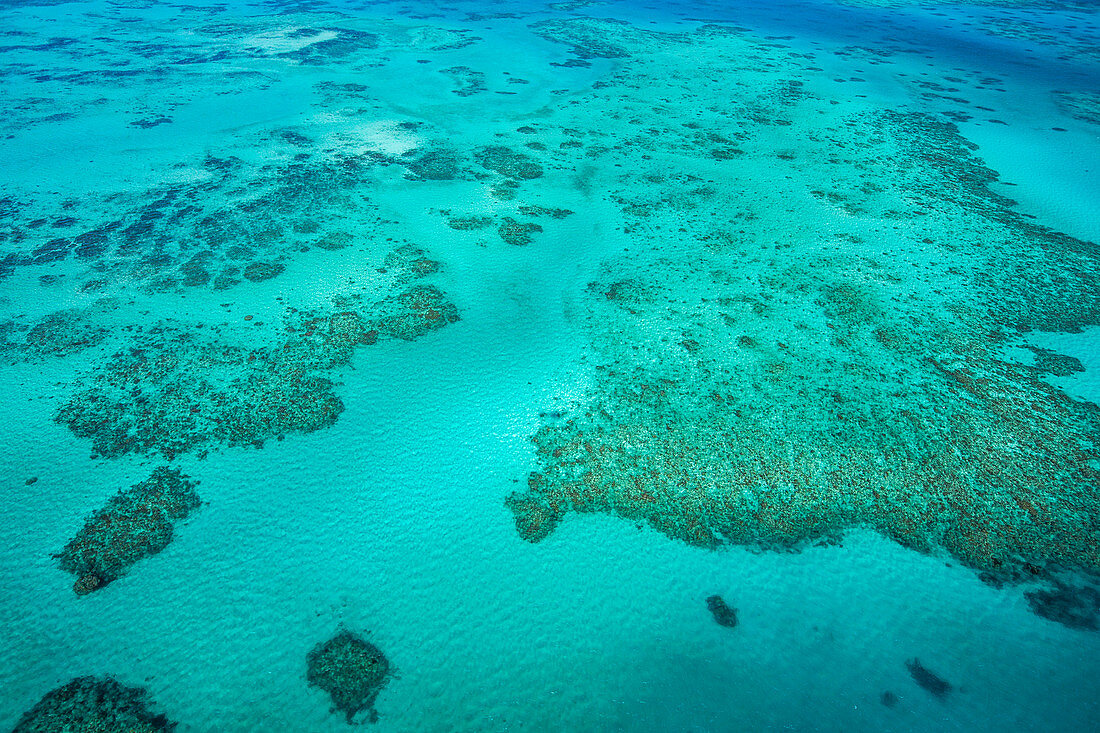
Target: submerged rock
1075, 606
94, 705
927, 679
134, 524
723, 614
351, 670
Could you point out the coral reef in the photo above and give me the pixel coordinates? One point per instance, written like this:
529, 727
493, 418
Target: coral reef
333, 44
752, 388
94, 705
134, 524
432, 164
716, 468
1053, 363
260, 271
238, 225
351, 670
508, 162
535, 519
1083, 106
517, 233
69, 331
173, 391
469, 223
469, 82
588, 38
409, 262
414, 312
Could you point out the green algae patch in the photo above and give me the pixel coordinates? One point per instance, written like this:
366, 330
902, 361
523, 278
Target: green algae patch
351, 670
94, 705
133, 525
508, 162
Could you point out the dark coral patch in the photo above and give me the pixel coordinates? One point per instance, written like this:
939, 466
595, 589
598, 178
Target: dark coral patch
351, 670
517, 232
260, 271
508, 162
134, 524
433, 164
469, 223
415, 312
335, 240
1055, 364
535, 519
410, 262
172, 392
69, 331
341, 43
588, 38
94, 704
469, 82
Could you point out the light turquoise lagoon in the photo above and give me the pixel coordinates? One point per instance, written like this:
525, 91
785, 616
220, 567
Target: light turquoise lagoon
571, 366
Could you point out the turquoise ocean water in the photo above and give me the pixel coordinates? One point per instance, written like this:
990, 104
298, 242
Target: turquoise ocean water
506, 336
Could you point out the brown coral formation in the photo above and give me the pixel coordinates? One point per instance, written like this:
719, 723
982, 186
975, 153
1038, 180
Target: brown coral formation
94, 704
351, 670
134, 524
